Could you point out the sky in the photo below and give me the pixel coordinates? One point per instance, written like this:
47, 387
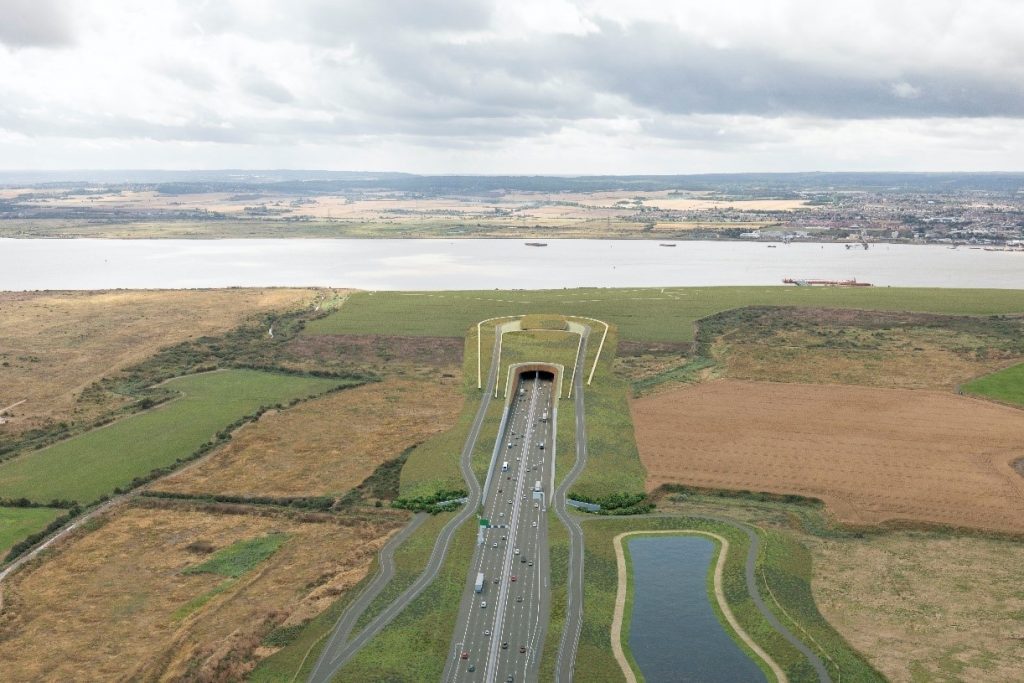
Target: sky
513, 86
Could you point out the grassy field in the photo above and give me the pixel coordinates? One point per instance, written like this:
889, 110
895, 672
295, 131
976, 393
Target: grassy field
324, 446
556, 347
613, 463
57, 343
239, 557
664, 315
786, 571
1006, 385
17, 523
118, 601
415, 645
876, 348
86, 467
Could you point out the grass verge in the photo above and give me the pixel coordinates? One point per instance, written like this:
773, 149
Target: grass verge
415, 645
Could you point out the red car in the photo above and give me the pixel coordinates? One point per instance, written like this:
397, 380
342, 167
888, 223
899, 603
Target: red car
465, 655
513, 577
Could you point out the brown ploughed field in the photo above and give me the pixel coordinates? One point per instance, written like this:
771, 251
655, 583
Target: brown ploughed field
873, 455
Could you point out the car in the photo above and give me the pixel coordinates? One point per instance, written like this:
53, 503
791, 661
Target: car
487, 632
517, 551
495, 579
509, 501
513, 577
522, 649
523, 558
536, 505
508, 477
504, 646
483, 604
465, 655
510, 444
510, 679
535, 524
499, 490
519, 598
503, 537
495, 544
530, 564
471, 668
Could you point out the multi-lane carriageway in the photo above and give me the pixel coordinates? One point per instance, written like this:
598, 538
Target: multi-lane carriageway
500, 631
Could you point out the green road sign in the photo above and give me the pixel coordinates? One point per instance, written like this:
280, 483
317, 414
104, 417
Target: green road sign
485, 522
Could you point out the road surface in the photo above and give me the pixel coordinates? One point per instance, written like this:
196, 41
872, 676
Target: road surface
499, 634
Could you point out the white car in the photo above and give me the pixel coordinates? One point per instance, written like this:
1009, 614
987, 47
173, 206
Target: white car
517, 551
483, 605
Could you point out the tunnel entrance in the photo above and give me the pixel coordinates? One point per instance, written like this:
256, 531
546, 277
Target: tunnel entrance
538, 374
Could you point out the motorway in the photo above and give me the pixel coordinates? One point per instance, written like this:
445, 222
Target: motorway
499, 634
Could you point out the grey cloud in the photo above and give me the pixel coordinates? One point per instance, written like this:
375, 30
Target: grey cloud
34, 23
269, 89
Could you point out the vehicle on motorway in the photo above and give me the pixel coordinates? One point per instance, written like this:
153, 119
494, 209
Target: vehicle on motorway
519, 598
479, 585
487, 632
522, 649
513, 577
523, 558
495, 544
465, 655
509, 501
504, 466
535, 524
495, 579
517, 551
483, 604
504, 646
530, 564
471, 668
541, 445
536, 485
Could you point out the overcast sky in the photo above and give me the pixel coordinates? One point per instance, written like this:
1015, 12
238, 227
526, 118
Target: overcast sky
516, 86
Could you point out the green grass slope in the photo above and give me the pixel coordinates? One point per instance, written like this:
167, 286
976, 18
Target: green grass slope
1006, 385
88, 466
652, 314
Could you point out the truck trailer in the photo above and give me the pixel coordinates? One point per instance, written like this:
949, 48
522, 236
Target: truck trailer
479, 587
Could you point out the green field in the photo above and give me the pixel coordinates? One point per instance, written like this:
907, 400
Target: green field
86, 467
18, 523
652, 314
240, 557
1006, 385
415, 645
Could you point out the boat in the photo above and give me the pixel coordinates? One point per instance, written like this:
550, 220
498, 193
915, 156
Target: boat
825, 283
536, 244
666, 245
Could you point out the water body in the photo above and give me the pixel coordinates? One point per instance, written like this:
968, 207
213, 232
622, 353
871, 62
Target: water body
674, 633
483, 264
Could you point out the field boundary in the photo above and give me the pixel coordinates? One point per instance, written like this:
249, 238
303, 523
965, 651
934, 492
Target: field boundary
719, 593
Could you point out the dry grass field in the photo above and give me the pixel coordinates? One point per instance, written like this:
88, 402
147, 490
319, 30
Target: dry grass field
325, 446
926, 607
871, 348
873, 455
54, 344
115, 605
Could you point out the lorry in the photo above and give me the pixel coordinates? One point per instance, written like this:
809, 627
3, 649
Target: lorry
479, 586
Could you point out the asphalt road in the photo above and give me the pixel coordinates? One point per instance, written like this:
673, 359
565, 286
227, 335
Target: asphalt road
339, 648
499, 633
574, 596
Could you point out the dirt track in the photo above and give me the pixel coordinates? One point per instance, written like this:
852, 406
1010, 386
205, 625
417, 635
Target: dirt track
871, 454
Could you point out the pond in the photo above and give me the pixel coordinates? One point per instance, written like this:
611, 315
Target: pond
674, 633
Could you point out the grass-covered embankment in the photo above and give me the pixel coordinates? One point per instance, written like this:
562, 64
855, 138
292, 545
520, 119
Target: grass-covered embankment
1006, 385
651, 314
17, 523
784, 563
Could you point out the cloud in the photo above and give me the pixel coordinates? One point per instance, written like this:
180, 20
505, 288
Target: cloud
433, 82
34, 23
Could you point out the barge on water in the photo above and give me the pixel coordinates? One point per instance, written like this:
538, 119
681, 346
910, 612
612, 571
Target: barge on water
825, 283
536, 244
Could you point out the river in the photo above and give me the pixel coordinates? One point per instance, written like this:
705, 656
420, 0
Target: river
674, 633
483, 264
